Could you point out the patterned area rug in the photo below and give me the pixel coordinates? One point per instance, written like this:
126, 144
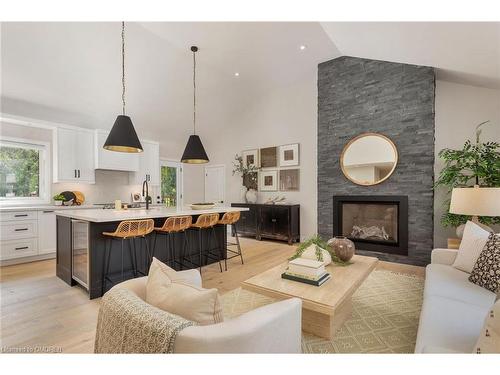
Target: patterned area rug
386, 310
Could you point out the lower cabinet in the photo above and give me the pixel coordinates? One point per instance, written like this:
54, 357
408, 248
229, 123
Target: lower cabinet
46, 232
279, 222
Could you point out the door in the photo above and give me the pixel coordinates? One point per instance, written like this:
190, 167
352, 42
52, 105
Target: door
171, 183
85, 156
46, 232
267, 220
281, 224
214, 184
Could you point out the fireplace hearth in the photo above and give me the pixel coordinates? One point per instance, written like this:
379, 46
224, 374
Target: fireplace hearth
375, 223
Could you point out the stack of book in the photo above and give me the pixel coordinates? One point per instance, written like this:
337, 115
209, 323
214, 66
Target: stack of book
306, 271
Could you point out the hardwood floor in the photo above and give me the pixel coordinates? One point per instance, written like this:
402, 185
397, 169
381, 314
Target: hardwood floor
40, 311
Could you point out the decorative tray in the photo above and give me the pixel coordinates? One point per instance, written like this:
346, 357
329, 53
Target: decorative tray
202, 206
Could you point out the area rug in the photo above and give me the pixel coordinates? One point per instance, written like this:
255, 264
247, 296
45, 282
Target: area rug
386, 310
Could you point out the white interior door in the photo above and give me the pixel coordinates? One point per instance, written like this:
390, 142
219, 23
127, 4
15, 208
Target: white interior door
214, 184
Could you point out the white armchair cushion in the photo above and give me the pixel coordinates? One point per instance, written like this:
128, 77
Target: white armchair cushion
472, 244
443, 256
165, 291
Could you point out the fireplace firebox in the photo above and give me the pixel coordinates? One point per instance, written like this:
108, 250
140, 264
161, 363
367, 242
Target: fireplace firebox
374, 223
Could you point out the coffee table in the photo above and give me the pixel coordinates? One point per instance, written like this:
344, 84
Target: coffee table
324, 308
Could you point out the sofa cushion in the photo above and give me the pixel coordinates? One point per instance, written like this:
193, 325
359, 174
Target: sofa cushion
164, 291
446, 281
486, 271
472, 244
449, 324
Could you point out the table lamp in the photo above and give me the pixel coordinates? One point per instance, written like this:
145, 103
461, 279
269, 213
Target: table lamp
475, 201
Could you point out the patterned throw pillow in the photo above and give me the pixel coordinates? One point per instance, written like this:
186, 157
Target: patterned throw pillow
486, 271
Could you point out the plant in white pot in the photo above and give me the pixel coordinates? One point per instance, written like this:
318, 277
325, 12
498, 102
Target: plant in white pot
58, 199
249, 179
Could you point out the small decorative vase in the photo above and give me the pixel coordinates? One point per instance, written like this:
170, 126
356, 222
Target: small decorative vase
342, 247
243, 193
251, 196
58, 203
310, 253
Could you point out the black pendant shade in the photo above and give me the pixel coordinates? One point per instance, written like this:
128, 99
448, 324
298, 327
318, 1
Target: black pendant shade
194, 153
122, 137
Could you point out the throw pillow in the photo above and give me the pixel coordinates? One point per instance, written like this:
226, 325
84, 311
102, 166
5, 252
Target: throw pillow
489, 339
472, 244
165, 290
486, 271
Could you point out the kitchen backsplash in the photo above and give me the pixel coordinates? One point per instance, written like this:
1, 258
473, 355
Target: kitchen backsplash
109, 186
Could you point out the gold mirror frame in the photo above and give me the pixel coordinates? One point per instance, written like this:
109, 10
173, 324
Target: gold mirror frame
362, 135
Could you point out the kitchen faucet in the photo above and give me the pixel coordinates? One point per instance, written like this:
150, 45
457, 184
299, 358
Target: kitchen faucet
145, 184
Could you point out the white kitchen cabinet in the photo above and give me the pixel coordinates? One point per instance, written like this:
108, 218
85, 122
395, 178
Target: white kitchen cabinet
112, 160
74, 155
46, 232
149, 165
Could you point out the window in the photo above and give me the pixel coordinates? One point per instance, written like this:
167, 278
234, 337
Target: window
23, 171
171, 183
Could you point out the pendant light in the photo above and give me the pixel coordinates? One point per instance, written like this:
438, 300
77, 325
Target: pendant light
122, 137
194, 153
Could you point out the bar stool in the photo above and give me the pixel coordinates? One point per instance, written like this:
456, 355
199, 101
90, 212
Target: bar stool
231, 218
171, 226
206, 222
127, 230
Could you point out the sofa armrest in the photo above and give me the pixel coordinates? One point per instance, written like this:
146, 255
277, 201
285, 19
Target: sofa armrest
274, 328
137, 286
444, 256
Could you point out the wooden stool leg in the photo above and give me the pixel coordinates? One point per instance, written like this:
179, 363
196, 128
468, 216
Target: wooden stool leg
238, 242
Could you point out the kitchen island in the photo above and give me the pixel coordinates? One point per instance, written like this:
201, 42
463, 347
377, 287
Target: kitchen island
81, 244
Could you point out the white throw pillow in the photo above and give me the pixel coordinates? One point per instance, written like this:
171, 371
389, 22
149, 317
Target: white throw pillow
472, 244
165, 290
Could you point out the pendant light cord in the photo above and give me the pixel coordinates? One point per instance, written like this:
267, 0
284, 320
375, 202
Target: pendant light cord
123, 67
194, 92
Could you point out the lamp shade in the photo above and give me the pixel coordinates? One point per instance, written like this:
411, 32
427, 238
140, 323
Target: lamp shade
122, 137
476, 201
194, 153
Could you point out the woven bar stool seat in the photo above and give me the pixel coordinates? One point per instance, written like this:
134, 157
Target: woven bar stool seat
127, 230
231, 218
206, 222
171, 226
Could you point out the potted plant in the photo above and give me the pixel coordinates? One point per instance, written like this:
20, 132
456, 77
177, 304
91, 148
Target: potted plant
58, 199
316, 248
474, 164
249, 179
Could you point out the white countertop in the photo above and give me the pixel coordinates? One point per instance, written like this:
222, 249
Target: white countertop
102, 216
43, 207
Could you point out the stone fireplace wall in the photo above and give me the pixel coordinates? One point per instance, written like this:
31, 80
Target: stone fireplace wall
360, 95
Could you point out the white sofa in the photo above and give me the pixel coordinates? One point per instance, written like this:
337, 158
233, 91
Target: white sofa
453, 310
274, 328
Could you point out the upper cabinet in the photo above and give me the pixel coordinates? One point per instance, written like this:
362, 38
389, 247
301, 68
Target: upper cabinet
117, 161
74, 155
149, 165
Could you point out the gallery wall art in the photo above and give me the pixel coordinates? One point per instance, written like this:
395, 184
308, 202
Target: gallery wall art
289, 155
269, 180
269, 157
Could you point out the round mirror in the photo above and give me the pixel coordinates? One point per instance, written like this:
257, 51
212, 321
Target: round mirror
369, 159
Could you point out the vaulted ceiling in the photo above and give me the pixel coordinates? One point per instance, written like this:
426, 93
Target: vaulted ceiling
71, 73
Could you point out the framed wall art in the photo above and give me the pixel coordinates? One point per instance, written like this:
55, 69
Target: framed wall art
289, 180
269, 157
250, 157
268, 180
289, 155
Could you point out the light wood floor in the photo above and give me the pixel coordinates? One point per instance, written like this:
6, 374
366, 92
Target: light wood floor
40, 310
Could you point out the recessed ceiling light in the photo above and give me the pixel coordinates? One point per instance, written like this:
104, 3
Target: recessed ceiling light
236, 74
302, 47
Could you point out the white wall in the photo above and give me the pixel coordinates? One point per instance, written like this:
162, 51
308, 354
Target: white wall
459, 109
286, 115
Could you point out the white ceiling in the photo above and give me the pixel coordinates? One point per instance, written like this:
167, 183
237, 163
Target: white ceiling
466, 52
70, 72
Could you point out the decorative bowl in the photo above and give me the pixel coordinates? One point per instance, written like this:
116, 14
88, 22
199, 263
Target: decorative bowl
202, 206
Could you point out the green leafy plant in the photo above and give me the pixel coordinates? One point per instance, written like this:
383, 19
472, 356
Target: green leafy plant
474, 164
320, 244
248, 173
59, 197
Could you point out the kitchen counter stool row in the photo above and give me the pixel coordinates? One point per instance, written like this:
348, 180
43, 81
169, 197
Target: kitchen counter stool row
130, 230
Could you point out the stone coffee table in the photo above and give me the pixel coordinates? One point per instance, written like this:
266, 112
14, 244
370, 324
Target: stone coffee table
324, 308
